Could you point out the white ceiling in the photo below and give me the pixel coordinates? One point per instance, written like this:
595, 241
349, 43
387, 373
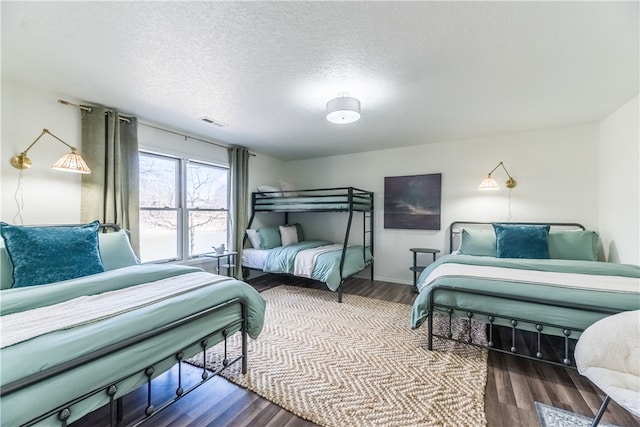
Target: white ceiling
423, 71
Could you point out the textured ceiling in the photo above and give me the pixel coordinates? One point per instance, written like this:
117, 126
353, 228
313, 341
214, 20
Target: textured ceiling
423, 71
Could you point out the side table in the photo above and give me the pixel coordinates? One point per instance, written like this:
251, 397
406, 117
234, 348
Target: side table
418, 268
228, 261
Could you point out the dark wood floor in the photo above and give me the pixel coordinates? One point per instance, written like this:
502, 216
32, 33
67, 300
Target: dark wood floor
513, 385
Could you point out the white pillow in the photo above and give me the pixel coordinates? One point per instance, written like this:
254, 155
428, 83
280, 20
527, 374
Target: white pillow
254, 238
270, 190
288, 234
289, 188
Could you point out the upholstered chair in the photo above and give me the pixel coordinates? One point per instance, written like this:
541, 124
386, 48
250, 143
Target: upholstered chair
608, 354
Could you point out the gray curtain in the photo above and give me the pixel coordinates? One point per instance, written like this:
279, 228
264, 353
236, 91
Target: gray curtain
239, 200
110, 193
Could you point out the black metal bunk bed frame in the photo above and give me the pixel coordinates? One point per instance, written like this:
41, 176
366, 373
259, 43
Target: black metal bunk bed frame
516, 323
323, 201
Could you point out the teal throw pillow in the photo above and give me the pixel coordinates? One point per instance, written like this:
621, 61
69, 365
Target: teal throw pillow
269, 237
49, 254
116, 250
477, 242
574, 245
522, 241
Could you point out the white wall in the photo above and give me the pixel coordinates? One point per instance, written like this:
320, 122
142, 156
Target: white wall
556, 171
264, 170
49, 196
619, 184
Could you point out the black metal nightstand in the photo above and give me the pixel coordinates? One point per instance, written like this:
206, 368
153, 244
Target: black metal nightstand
229, 265
418, 268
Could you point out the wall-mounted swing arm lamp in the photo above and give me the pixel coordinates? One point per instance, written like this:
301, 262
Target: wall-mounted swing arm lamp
490, 184
70, 162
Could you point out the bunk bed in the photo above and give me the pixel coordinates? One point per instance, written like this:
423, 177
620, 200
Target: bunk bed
496, 277
332, 263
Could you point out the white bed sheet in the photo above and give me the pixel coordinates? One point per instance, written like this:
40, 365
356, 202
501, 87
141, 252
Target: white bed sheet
254, 258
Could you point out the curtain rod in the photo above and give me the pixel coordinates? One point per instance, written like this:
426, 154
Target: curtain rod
88, 109
124, 118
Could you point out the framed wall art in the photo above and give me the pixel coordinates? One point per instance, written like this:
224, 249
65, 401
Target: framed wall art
413, 202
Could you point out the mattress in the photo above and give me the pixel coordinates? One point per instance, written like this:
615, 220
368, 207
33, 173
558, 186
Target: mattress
326, 268
254, 258
588, 283
61, 345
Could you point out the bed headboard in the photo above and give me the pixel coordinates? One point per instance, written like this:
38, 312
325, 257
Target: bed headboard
105, 228
456, 226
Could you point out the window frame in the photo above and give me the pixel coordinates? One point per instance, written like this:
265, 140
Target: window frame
181, 208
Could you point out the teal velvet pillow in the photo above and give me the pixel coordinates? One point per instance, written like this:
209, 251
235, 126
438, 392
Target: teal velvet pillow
269, 237
575, 245
49, 254
522, 241
477, 242
116, 250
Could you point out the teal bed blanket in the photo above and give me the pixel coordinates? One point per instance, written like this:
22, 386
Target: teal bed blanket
593, 283
327, 265
25, 356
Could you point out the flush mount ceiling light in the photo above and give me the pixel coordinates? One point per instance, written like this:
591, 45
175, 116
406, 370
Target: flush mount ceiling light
343, 109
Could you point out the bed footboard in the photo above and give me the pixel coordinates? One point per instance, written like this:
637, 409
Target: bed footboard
114, 391
524, 323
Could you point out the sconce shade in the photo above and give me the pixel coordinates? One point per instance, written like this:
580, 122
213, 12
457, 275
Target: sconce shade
491, 184
343, 110
70, 162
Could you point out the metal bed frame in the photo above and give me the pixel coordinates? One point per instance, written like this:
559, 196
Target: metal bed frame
64, 411
516, 323
321, 196
116, 412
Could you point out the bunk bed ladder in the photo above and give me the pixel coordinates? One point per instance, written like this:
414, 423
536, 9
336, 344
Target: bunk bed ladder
345, 243
253, 215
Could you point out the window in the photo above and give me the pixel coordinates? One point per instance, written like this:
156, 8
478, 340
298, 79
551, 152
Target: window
183, 207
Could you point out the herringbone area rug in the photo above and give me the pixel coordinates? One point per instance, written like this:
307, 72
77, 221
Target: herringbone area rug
358, 364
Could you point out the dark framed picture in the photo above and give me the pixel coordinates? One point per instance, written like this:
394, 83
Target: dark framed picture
412, 201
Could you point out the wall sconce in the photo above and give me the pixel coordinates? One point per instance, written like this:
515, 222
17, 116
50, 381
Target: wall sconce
490, 184
70, 162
